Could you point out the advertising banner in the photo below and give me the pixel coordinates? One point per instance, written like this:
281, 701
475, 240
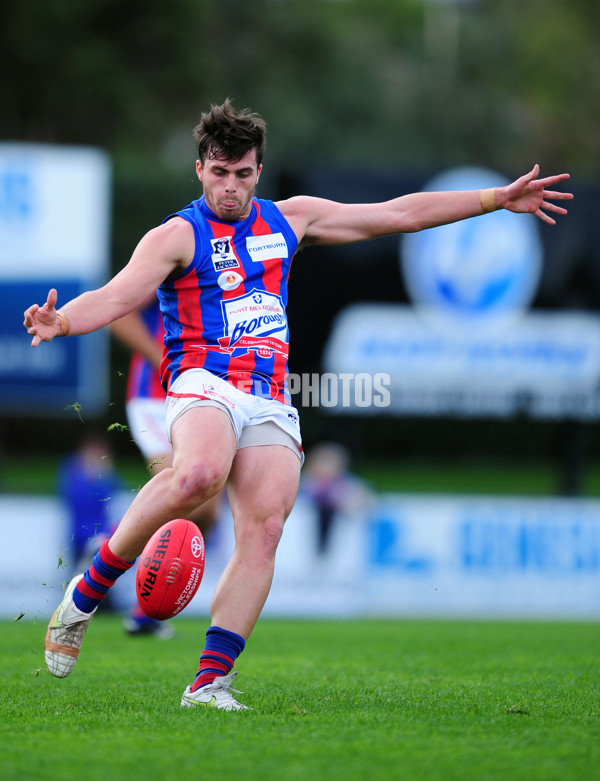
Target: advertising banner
54, 232
408, 556
470, 345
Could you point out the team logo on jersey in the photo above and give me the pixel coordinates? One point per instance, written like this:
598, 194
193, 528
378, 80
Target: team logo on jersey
229, 280
223, 256
256, 321
271, 247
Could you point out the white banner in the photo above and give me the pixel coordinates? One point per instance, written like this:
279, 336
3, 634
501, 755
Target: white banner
546, 364
54, 212
54, 232
421, 556
470, 346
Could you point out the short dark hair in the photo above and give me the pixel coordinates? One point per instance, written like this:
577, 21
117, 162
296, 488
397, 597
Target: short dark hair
226, 133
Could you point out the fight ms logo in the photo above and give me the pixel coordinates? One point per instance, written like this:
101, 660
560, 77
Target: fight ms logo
223, 257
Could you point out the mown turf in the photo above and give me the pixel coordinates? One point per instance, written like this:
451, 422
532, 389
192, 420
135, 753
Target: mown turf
36, 473
331, 700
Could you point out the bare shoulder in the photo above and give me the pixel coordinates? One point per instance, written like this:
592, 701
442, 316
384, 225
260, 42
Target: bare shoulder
296, 208
303, 212
176, 229
172, 240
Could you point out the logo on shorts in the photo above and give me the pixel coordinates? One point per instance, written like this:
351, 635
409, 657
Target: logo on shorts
210, 392
223, 256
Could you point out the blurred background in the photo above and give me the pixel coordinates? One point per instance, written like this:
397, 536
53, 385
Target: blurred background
365, 100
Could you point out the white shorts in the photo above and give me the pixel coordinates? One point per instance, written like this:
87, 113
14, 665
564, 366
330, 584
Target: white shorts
255, 420
146, 418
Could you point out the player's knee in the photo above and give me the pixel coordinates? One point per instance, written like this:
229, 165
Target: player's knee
269, 534
197, 482
272, 530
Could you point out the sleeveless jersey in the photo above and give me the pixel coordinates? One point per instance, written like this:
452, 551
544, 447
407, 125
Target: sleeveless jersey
227, 311
144, 379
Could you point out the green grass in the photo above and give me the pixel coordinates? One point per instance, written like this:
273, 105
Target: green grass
36, 474
331, 700
504, 477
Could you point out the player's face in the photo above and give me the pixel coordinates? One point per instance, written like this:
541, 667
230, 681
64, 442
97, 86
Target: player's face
229, 187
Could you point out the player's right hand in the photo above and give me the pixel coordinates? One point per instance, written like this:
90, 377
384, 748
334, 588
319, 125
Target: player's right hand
42, 322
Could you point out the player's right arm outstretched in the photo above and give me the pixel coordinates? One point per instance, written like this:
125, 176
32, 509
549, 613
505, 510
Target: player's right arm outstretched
161, 251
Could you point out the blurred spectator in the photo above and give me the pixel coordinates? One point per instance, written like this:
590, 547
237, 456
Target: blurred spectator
332, 488
88, 484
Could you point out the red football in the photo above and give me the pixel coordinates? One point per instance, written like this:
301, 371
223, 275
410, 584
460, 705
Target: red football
170, 569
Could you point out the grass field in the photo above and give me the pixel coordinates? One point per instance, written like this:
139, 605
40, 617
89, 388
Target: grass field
331, 700
37, 473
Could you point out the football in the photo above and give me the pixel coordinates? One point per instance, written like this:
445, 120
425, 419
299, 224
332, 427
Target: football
170, 569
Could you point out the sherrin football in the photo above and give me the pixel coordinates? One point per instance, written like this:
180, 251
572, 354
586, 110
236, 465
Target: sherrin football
170, 569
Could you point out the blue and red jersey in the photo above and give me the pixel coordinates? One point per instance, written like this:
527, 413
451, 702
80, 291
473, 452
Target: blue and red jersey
144, 379
227, 311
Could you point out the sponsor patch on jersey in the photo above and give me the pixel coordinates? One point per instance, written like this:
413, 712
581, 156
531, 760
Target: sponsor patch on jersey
229, 280
271, 247
223, 256
255, 321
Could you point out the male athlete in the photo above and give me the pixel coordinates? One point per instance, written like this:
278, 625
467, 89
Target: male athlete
221, 267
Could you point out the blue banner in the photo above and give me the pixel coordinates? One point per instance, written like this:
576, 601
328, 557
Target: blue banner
51, 378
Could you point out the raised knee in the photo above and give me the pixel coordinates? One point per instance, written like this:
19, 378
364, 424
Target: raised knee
197, 482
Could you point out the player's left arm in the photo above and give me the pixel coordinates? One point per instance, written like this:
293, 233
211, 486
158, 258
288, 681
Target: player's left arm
319, 221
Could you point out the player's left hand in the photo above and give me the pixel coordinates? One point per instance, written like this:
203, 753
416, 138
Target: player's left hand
528, 194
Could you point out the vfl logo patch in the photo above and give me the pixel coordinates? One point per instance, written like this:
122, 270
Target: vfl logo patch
223, 257
271, 247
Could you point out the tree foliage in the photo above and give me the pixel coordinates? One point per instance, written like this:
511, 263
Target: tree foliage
369, 83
